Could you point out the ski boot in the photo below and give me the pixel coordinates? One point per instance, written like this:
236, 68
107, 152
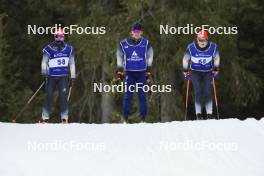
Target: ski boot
210, 116
124, 120
44, 121
143, 119
64, 121
199, 116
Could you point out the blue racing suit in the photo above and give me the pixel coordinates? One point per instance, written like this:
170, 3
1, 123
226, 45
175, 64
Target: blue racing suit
135, 57
201, 62
57, 58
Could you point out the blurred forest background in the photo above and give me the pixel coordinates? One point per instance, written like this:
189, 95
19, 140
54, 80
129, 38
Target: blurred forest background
240, 85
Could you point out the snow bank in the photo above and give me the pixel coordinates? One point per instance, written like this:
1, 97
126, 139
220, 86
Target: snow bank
192, 148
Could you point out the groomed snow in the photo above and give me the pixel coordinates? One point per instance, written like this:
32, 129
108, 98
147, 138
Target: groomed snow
193, 148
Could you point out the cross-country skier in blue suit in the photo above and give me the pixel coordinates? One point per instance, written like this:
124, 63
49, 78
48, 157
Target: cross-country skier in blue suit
202, 58
57, 62
134, 61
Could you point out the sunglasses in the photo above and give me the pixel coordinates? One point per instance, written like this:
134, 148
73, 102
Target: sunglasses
136, 31
59, 36
202, 40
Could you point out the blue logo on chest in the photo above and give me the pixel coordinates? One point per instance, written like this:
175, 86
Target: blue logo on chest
60, 55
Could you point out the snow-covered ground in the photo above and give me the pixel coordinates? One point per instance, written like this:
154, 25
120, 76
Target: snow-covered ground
193, 148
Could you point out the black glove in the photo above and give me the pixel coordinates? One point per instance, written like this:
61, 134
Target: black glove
72, 80
120, 73
148, 75
45, 79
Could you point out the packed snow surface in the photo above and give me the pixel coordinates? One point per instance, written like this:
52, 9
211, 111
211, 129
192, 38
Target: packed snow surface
191, 148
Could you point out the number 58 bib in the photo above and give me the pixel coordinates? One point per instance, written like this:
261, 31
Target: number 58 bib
58, 60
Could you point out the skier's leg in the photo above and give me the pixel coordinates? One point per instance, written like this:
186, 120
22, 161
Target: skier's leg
129, 80
203, 89
141, 80
196, 81
51, 84
63, 92
208, 94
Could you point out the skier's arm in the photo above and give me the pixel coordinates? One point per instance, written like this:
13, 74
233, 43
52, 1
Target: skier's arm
119, 57
72, 66
186, 60
44, 64
216, 60
149, 56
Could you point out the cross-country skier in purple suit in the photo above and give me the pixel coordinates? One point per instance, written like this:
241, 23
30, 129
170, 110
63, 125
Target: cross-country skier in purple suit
134, 61
57, 63
202, 58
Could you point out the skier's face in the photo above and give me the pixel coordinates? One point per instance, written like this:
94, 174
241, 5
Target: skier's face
137, 34
202, 42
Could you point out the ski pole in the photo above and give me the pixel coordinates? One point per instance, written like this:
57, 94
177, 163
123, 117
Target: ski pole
69, 94
215, 97
186, 99
28, 102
